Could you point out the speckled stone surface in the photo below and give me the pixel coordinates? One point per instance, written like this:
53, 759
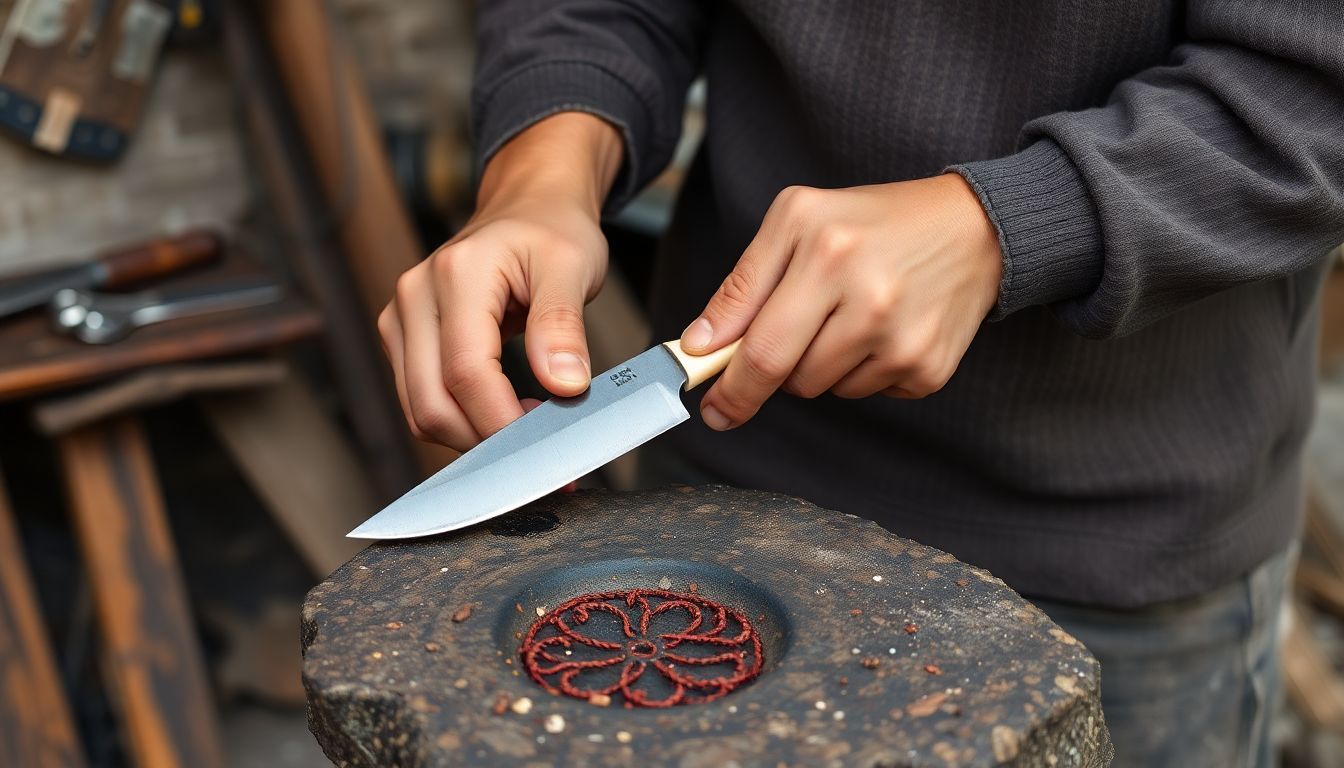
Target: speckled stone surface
877, 651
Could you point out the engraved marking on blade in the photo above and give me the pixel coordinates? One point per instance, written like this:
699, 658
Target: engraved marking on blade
143, 28
623, 376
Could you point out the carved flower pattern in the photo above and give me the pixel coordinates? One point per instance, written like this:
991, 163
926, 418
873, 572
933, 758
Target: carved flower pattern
654, 647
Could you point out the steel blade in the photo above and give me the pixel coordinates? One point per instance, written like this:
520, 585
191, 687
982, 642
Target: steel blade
557, 442
25, 292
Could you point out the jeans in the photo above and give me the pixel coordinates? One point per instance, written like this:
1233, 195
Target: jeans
1191, 683
1185, 684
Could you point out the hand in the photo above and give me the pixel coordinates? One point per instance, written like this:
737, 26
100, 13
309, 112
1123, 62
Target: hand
858, 291
531, 257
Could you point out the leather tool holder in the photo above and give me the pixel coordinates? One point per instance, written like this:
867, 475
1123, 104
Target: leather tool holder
74, 73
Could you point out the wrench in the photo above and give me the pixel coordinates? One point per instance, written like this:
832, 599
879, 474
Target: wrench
102, 318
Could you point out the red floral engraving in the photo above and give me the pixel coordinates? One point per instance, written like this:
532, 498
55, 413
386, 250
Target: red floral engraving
656, 648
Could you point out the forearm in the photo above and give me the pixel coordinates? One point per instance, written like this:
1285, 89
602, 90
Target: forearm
1221, 168
572, 156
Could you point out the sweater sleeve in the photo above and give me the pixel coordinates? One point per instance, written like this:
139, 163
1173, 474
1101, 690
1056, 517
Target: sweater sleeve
1222, 167
627, 61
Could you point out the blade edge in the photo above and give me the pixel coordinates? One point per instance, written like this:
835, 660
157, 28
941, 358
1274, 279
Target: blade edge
413, 504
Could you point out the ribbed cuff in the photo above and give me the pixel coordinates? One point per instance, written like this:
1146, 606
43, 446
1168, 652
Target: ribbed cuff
1048, 227
545, 89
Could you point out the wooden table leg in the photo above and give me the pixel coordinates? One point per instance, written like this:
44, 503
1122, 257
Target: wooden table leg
156, 674
36, 730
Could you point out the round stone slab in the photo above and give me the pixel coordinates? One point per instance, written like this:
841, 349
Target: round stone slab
874, 650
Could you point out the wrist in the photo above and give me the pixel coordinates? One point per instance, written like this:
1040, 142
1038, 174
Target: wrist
570, 157
976, 234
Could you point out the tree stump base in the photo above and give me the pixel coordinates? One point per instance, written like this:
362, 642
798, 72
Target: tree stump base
738, 626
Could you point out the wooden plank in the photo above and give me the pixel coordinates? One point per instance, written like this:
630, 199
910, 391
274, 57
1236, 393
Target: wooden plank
36, 730
152, 656
1332, 313
1314, 687
1324, 588
34, 360
1321, 534
301, 466
155, 386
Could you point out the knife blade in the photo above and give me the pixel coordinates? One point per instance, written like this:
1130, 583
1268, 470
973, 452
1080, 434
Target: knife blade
112, 269
559, 441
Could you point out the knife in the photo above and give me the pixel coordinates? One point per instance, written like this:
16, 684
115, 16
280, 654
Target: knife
111, 269
559, 441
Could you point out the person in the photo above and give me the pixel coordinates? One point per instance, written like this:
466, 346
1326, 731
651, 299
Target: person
1038, 282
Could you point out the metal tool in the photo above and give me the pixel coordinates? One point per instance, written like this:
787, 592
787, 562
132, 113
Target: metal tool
111, 269
555, 443
93, 24
102, 318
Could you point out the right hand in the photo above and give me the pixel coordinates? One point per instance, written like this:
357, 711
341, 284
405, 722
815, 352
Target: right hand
530, 258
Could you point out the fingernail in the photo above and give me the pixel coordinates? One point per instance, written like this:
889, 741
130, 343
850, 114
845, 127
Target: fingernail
698, 334
567, 367
713, 419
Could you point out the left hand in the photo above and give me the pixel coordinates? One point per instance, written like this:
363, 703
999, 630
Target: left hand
857, 291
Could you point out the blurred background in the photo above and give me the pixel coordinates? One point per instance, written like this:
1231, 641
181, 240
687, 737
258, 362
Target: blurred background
203, 206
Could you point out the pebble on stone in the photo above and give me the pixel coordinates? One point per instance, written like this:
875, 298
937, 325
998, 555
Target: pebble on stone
522, 706
463, 613
554, 724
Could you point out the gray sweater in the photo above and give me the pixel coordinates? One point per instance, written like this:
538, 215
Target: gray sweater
1166, 179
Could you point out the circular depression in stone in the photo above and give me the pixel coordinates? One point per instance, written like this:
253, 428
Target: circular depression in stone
644, 632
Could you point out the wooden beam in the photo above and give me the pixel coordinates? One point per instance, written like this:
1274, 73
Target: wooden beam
346, 144
300, 196
152, 654
301, 466
1314, 687
153, 386
36, 730
1332, 313
1323, 587
1322, 536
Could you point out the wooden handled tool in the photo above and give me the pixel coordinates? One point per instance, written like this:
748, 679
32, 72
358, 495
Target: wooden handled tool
157, 258
112, 269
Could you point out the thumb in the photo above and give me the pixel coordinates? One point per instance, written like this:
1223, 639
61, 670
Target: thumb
556, 347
